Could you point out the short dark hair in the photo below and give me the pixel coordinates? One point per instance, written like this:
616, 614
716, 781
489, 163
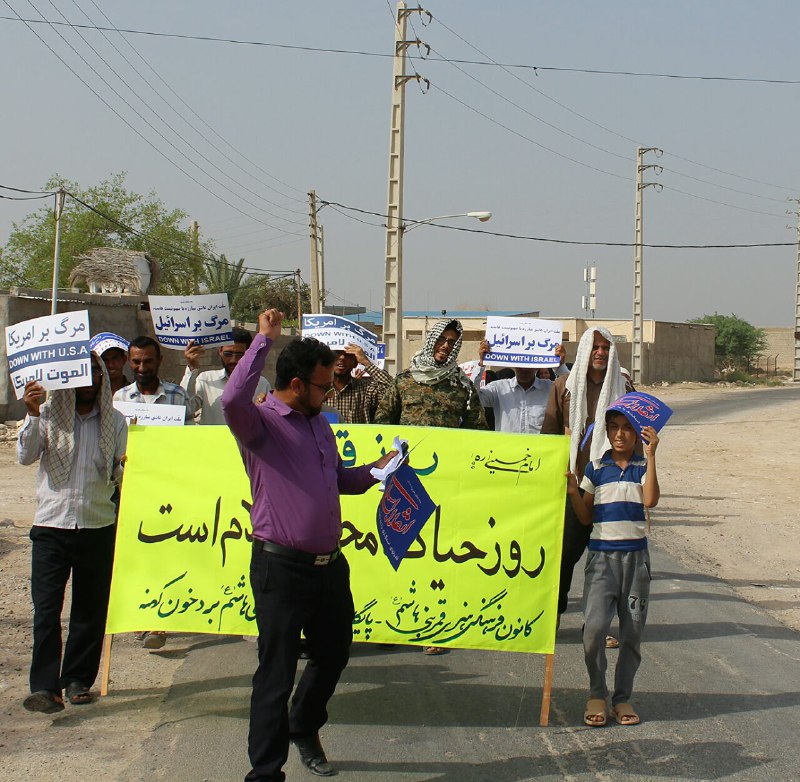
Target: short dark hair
299, 359
241, 336
144, 342
614, 413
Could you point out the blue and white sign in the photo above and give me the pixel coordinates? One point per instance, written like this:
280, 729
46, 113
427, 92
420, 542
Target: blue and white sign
642, 410
402, 513
522, 342
337, 333
52, 350
179, 320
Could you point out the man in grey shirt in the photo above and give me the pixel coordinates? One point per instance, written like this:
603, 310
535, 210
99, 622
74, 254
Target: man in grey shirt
80, 440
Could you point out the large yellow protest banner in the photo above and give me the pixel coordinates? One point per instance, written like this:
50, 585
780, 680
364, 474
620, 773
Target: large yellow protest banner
483, 573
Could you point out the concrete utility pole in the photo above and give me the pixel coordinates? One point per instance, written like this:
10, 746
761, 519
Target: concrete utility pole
589, 300
194, 237
393, 285
297, 282
796, 367
59, 208
638, 323
314, 236
321, 274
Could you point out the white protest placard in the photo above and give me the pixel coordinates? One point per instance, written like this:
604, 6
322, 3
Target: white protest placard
53, 350
145, 414
179, 320
337, 333
522, 342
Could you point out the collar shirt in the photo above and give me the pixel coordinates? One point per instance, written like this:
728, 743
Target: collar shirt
516, 409
166, 394
358, 400
204, 390
85, 501
296, 474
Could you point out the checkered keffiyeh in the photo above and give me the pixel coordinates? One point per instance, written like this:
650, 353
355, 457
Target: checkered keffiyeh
58, 427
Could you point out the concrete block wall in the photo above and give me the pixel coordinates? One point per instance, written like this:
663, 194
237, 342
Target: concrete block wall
780, 343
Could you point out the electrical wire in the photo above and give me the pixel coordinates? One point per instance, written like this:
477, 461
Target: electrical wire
572, 111
385, 55
566, 241
161, 119
170, 105
130, 126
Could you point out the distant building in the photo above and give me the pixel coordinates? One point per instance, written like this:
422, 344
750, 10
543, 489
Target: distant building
113, 271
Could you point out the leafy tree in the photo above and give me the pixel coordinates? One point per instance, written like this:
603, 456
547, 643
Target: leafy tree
27, 258
259, 292
737, 341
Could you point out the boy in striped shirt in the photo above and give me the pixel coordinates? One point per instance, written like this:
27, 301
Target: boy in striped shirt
613, 495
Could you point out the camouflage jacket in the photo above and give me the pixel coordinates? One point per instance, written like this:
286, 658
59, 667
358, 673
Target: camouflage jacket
415, 404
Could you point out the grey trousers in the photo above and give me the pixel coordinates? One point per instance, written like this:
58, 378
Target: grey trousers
617, 582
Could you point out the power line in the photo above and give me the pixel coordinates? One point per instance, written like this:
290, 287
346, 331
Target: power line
203, 121
124, 120
160, 118
364, 53
566, 241
572, 111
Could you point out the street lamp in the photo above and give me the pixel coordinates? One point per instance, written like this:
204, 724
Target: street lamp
393, 285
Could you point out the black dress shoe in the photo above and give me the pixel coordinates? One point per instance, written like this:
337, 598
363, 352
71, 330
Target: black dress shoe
312, 756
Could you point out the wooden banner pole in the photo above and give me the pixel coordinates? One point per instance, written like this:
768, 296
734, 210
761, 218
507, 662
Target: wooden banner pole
108, 641
547, 688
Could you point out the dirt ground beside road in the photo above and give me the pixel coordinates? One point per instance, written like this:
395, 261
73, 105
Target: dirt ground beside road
727, 511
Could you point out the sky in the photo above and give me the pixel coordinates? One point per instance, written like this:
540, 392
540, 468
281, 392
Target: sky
238, 134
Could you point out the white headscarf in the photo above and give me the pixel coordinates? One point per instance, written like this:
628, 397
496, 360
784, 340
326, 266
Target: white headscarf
58, 416
426, 370
613, 388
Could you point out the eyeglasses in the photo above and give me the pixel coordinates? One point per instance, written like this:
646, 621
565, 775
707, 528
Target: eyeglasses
451, 343
326, 390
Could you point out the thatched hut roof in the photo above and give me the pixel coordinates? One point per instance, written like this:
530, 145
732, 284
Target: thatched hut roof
115, 270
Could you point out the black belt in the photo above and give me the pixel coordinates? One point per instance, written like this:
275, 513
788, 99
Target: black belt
306, 557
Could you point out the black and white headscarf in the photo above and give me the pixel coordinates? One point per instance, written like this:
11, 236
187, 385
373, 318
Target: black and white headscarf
424, 367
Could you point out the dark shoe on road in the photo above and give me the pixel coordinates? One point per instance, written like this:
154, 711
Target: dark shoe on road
78, 694
312, 756
44, 701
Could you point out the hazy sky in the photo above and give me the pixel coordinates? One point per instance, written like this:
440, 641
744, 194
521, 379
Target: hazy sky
559, 164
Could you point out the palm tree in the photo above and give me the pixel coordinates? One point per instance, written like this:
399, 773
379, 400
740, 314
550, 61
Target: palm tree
223, 276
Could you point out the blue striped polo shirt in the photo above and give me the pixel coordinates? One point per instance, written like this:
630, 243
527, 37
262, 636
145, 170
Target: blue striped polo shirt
619, 517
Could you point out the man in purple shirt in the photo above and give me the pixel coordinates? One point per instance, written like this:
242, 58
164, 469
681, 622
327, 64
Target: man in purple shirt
300, 579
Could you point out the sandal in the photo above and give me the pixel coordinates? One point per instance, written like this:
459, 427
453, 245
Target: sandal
611, 642
625, 715
44, 701
432, 650
595, 715
154, 639
78, 694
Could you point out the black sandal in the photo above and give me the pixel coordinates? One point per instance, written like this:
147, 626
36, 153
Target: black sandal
78, 694
44, 701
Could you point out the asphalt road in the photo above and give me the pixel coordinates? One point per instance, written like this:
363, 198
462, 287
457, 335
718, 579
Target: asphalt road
718, 693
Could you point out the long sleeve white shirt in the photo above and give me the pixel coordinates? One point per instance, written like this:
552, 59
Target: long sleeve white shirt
85, 501
205, 394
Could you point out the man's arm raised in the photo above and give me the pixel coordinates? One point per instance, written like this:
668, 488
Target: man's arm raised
241, 414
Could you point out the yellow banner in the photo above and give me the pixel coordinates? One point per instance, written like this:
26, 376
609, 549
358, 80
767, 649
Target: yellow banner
483, 574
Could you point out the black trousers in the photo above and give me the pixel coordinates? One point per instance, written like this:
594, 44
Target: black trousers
291, 597
87, 555
575, 541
